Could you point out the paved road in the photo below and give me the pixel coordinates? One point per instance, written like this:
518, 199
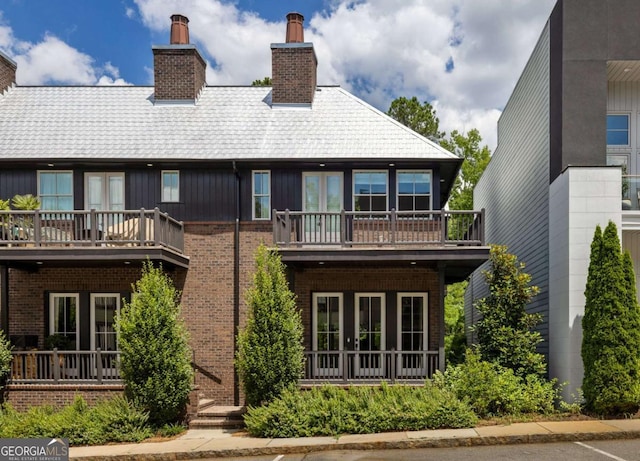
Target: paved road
617, 450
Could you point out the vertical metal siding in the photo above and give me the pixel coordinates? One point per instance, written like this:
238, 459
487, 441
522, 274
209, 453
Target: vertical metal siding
514, 189
14, 182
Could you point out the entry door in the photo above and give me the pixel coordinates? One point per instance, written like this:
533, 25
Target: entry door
105, 192
370, 334
323, 197
412, 334
327, 334
104, 309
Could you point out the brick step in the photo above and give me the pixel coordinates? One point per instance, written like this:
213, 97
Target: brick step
216, 423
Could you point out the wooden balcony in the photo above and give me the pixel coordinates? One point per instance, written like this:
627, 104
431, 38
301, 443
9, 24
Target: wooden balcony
345, 367
102, 236
65, 367
378, 229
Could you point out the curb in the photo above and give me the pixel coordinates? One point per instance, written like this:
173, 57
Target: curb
450, 442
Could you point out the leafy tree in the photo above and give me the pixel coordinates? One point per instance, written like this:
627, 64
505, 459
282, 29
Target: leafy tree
476, 159
270, 354
5, 357
504, 332
455, 340
155, 355
611, 329
421, 118
264, 82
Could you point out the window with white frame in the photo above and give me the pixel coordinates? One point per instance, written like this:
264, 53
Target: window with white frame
63, 316
170, 186
55, 190
617, 129
370, 190
261, 194
414, 190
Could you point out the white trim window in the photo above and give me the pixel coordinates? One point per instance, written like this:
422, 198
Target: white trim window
370, 190
261, 194
618, 130
170, 185
104, 309
55, 190
63, 316
414, 190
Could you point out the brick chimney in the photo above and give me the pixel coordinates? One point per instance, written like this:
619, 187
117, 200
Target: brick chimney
7, 72
293, 66
178, 68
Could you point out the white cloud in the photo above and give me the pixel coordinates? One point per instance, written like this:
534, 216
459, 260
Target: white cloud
381, 49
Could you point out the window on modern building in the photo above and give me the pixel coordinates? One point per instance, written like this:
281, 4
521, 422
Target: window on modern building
55, 190
370, 190
63, 317
170, 186
617, 129
261, 187
414, 190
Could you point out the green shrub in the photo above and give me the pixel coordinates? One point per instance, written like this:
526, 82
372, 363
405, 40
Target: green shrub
5, 357
113, 420
330, 411
155, 355
270, 354
493, 390
611, 329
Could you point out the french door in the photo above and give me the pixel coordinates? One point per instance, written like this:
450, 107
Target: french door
104, 308
105, 192
327, 334
412, 333
322, 201
370, 334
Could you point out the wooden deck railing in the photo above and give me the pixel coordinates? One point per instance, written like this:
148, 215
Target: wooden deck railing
84, 228
65, 367
343, 367
353, 228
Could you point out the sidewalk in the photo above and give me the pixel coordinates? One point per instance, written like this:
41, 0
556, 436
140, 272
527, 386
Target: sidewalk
196, 444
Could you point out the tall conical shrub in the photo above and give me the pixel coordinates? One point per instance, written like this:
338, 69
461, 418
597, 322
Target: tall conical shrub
610, 329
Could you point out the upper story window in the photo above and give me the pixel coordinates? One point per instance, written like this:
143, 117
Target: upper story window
617, 129
414, 190
170, 186
370, 190
55, 189
261, 194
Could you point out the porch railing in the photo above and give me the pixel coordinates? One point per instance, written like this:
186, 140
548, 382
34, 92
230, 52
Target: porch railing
343, 367
82, 228
65, 367
353, 228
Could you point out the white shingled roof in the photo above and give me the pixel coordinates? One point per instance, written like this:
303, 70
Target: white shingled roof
226, 123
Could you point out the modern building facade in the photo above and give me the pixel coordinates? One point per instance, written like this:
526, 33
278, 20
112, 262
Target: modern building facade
567, 160
195, 177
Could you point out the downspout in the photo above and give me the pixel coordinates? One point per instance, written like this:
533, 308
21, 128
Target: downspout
236, 285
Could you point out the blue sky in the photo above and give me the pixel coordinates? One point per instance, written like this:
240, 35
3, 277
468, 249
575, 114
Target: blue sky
464, 56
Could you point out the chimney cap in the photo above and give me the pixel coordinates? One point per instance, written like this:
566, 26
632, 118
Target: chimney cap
295, 31
179, 30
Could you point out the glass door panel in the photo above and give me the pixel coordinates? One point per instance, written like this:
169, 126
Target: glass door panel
412, 334
327, 334
323, 197
370, 334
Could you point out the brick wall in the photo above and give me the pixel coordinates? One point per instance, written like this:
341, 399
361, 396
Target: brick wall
7, 73
179, 73
22, 397
293, 74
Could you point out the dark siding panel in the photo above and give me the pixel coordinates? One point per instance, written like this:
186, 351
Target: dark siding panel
14, 182
392, 319
349, 320
286, 190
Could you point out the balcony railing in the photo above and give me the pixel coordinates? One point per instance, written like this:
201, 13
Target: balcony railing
353, 228
369, 366
631, 192
65, 367
92, 228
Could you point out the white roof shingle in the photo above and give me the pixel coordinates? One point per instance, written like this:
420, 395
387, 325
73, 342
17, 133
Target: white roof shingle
226, 123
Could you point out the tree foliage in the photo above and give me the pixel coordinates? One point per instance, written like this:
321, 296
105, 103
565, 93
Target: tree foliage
264, 82
153, 340
421, 118
455, 339
5, 357
270, 354
476, 158
504, 332
611, 329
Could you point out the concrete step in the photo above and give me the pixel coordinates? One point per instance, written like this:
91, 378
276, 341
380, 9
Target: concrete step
216, 423
219, 411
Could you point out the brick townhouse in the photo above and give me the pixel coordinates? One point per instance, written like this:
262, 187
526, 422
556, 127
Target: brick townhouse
194, 177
